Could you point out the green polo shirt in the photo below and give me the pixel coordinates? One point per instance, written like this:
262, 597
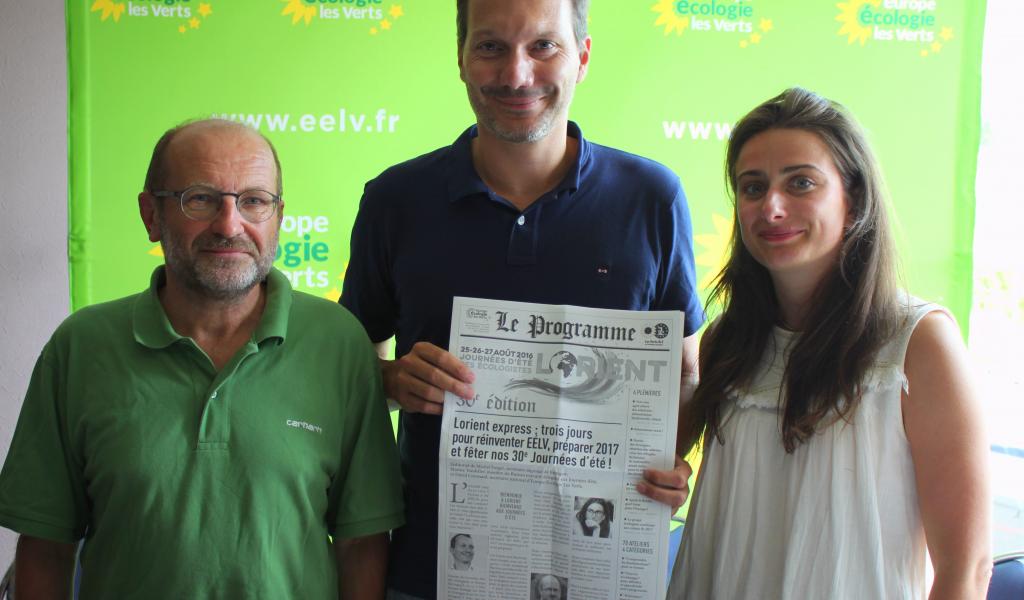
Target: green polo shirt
187, 482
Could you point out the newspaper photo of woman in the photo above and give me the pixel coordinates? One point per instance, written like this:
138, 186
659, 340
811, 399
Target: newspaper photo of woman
594, 517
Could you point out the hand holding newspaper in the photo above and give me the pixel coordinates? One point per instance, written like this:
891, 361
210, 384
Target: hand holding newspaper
538, 470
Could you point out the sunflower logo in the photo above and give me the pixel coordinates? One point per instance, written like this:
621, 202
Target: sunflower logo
335, 292
298, 11
109, 9
729, 20
301, 11
854, 14
715, 248
852, 28
668, 18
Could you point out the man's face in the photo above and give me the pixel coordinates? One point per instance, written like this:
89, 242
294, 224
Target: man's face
550, 589
521, 64
228, 256
462, 551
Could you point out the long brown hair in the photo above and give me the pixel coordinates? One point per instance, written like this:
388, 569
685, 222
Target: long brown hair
853, 310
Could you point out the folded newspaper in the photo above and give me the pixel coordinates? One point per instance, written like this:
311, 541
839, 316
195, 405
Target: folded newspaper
537, 496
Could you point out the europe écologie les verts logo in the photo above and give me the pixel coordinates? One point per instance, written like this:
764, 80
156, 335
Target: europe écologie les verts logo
914, 23
377, 16
184, 15
741, 19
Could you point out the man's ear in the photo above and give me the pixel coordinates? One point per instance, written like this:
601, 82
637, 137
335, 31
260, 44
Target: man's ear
584, 59
462, 71
148, 212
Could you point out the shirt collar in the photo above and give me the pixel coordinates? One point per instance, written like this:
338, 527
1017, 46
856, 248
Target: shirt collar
464, 182
152, 328
274, 322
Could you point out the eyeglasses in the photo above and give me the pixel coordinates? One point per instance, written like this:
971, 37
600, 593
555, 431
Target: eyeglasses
203, 203
595, 511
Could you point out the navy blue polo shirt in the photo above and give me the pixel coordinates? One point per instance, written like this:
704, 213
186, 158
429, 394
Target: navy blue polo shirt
615, 233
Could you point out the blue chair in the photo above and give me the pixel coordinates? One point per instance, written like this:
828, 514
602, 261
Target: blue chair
1007, 581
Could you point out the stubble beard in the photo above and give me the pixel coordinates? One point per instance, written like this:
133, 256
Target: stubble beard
215, 278
538, 130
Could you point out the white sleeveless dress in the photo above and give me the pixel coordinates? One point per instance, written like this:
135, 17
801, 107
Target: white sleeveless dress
837, 519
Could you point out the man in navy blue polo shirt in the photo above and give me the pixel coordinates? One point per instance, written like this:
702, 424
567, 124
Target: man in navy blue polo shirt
521, 207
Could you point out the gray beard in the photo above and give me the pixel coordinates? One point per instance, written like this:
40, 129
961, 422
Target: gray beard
214, 278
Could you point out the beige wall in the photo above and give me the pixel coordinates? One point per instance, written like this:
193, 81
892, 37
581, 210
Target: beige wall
33, 199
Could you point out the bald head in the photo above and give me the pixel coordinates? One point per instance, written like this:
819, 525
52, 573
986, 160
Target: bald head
549, 588
180, 138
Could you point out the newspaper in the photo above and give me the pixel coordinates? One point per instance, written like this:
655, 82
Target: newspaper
537, 471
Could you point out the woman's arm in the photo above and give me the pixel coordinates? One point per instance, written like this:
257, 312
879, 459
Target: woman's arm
942, 418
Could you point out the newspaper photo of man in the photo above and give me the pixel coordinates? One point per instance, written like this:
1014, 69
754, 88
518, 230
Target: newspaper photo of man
462, 551
545, 586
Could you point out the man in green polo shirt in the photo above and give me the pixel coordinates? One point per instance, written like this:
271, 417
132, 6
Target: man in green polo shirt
206, 436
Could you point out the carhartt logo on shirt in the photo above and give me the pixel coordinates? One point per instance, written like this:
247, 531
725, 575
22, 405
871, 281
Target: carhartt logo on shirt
304, 425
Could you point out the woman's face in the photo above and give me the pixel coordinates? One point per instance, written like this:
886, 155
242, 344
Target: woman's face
594, 514
790, 204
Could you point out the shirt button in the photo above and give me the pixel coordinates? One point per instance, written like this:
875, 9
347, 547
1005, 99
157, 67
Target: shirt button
521, 220
213, 395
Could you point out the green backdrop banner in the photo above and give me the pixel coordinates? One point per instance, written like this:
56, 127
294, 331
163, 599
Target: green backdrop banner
346, 88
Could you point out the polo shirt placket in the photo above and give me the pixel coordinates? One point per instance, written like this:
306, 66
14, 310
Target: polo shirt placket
211, 388
522, 247
215, 423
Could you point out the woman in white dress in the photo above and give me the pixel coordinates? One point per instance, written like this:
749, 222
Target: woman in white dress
842, 439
